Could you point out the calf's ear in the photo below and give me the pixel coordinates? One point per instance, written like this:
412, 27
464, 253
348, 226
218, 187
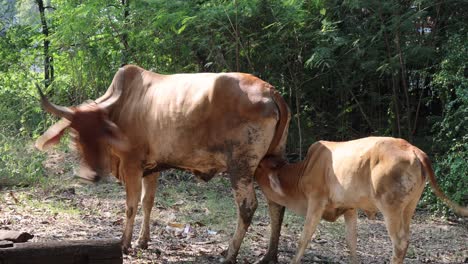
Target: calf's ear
273, 162
52, 135
275, 184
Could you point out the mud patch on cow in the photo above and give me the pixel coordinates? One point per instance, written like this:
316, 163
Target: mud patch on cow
253, 135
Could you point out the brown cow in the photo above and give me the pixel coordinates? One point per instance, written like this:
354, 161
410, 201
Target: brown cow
336, 178
205, 123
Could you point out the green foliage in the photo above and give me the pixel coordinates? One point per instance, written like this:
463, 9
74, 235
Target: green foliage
451, 132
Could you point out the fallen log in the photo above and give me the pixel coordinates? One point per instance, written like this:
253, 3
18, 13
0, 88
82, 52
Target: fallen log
15, 236
63, 252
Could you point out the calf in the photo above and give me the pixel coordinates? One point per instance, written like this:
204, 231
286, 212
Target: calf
336, 178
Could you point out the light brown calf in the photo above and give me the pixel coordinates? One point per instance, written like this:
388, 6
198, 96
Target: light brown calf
337, 178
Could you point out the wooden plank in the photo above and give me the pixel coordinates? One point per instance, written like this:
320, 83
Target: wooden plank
63, 252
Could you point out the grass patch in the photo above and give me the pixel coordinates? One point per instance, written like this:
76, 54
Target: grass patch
334, 229
54, 207
208, 203
20, 163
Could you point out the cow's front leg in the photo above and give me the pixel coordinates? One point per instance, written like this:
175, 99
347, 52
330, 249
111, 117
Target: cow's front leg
276, 212
133, 177
244, 195
150, 184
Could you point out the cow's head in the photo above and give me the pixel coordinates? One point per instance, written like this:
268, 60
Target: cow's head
93, 133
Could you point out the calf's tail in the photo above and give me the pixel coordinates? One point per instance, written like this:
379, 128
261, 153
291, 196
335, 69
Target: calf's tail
429, 172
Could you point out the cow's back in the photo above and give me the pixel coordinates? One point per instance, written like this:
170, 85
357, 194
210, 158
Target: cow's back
363, 170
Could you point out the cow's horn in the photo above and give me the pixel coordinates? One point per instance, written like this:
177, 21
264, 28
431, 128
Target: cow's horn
57, 110
116, 91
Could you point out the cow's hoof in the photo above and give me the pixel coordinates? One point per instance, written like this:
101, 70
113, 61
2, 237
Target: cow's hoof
268, 260
126, 249
143, 244
227, 261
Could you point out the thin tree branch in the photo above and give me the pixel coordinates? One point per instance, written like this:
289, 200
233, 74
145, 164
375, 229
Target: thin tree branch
389, 57
238, 40
123, 41
361, 110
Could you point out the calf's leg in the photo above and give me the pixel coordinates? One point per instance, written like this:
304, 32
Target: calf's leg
276, 212
350, 217
315, 210
246, 202
398, 232
150, 183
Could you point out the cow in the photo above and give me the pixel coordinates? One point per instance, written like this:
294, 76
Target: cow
336, 178
205, 123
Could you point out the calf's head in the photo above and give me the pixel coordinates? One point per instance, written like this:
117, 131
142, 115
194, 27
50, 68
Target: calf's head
268, 173
93, 133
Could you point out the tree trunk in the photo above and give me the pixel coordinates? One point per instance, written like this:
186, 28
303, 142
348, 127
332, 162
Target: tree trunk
237, 36
48, 67
126, 51
298, 116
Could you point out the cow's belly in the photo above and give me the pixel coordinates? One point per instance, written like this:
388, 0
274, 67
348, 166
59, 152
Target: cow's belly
198, 161
210, 152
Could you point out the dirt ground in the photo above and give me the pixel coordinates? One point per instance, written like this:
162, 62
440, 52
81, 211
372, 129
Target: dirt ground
192, 223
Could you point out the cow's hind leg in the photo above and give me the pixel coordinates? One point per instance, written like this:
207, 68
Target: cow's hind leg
315, 209
150, 183
246, 201
276, 212
133, 179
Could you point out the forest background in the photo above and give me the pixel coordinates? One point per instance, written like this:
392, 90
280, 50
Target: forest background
347, 69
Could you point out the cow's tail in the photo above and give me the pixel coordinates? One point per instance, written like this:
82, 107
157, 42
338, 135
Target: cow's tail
427, 170
278, 142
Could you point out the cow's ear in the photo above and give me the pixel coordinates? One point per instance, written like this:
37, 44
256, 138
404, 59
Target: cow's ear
52, 135
115, 137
